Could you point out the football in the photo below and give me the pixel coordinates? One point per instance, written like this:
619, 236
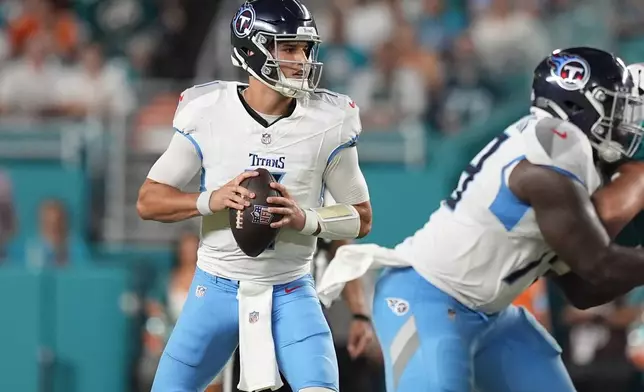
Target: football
251, 227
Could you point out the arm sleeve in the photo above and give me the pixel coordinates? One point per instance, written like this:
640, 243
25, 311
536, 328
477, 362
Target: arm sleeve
179, 163
327, 199
345, 180
342, 176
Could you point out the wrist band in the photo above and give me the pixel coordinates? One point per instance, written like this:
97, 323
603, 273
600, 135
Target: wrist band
362, 317
310, 223
203, 203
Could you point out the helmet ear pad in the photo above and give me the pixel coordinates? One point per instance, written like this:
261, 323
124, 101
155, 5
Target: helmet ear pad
259, 62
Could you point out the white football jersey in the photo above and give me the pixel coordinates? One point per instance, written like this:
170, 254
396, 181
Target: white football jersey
230, 138
483, 245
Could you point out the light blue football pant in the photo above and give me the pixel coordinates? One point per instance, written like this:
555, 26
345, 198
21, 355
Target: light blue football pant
433, 343
207, 334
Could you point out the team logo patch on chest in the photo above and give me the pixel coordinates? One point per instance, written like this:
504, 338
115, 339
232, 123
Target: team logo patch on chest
266, 138
261, 216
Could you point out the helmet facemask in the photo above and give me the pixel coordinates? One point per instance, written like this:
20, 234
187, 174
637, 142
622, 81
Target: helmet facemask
272, 75
618, 131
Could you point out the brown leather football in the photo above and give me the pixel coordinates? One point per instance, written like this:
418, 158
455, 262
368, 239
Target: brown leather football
251, 227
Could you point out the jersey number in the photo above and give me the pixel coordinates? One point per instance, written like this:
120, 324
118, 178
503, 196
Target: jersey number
472, 169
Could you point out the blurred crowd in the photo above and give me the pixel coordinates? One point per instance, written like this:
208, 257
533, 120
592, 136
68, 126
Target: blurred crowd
49, 68
444, 64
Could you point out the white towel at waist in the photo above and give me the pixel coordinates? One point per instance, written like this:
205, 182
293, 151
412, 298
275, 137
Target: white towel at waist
351, 262
257, 359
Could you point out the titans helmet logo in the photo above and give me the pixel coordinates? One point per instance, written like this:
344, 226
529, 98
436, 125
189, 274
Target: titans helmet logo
569, 72
244, 21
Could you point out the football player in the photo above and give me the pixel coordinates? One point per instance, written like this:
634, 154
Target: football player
306, 137
528, 204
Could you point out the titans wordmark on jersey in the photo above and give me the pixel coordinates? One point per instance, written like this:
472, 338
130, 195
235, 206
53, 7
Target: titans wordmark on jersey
230, 138
483, 245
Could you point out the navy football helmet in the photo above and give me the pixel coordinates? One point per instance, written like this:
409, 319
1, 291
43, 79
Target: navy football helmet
257, 29
592, 89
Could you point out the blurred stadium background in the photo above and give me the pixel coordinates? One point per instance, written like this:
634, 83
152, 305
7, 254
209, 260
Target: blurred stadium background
88, 89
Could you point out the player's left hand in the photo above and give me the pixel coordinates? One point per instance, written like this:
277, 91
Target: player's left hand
292, 215
360, 337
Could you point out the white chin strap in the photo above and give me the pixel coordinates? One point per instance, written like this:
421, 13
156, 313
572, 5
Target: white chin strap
288, 87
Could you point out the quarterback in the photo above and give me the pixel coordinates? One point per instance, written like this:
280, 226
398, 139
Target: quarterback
530, 204
306, 137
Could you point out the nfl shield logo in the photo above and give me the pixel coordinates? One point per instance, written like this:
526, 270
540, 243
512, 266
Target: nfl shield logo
253, 317
200, 291
266, 138
261, 215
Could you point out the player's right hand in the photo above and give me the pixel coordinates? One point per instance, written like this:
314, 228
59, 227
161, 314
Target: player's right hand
232, 195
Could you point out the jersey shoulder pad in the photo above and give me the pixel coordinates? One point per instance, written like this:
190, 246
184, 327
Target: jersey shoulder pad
340, 101
331, 97
193, 99
352, 126
348, 109
563, 146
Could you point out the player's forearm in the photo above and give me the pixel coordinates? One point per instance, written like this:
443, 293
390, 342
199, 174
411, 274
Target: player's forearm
617, 266
164, 203
353, 295
346, 183
366, 216
619, 202
339, 221
583, 294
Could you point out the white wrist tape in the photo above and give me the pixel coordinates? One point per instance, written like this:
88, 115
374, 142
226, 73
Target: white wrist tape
310, 223
203, 203
336, 222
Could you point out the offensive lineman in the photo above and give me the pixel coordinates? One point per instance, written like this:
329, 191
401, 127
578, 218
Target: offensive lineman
306, 138
522, 208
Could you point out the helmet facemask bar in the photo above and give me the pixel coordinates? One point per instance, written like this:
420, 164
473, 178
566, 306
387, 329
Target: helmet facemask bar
618, 131
272, 72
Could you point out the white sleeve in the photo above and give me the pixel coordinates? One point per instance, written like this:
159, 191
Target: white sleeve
342, 176
344, 179
179, 163
327, 199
